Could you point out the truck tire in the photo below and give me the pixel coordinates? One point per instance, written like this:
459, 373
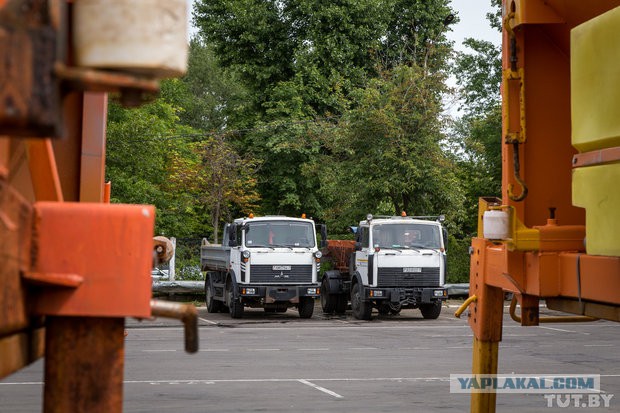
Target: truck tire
305, 307
341, 303
213, 305
235, 307
431, 311
328, 301
361, 309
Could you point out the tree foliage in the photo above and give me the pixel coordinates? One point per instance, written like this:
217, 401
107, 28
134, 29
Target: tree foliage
334, 109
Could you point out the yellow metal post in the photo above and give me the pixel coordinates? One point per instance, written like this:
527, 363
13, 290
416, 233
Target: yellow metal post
484, 362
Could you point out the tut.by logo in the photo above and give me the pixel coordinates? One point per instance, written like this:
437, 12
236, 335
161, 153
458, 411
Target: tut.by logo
585, 401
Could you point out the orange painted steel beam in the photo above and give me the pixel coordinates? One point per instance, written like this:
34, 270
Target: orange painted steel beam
43, 170
92, 159
551, 274
486, 313
110, 246
597, 157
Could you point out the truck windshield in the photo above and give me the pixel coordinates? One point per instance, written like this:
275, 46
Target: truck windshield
406, 235
291, 234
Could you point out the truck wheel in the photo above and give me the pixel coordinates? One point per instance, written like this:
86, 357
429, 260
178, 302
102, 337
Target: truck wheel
235, 307
328, 301
361, 309
305, 307
431, 311
341, 303
213, 305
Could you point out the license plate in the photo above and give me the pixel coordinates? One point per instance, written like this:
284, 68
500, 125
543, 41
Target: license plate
281, 267
412, 269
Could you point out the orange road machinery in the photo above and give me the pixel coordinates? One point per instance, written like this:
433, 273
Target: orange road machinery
73, 265
555, 233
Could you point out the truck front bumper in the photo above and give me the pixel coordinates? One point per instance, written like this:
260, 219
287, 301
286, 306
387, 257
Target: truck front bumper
279, 293
413, 296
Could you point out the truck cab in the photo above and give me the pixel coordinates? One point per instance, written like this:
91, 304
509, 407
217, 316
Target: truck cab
267, 262
397, 262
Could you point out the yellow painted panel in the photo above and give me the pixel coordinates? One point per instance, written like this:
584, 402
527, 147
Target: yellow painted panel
595, 82
595, 188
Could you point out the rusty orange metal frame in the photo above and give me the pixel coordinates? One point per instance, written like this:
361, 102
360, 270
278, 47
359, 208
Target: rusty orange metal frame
546, 258
96, 242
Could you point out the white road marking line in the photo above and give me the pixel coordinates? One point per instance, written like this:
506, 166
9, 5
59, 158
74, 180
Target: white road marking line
207, 321
563, 331
156, 351
598, 345
409, 326
323, 389
415, 348
342, 379
263, 349
215, 349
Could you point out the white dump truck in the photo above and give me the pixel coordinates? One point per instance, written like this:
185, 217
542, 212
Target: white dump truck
395, 262
269, 262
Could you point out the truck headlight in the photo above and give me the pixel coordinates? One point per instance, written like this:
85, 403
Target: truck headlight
312, 291
248, 291
246, 254
376, 293
439, 293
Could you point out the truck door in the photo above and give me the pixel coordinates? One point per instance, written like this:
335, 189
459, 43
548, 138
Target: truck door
362, 253
233, 235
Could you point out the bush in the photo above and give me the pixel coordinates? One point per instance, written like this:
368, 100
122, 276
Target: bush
458, 260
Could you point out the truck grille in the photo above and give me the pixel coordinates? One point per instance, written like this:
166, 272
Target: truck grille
395, 277
298, 274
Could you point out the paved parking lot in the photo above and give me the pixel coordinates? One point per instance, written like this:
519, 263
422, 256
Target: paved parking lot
280, 363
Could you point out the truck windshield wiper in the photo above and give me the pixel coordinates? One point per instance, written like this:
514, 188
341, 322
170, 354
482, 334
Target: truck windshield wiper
391, 248
282, 246
260, 246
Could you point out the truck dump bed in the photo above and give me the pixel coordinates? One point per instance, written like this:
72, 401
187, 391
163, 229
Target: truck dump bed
214, 257
340, 251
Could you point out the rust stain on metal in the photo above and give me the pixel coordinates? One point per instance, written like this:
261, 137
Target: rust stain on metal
15, 234
84, 365
29, 96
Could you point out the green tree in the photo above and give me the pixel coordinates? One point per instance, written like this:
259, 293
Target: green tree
208, 97
217, 179
477, 137
302, 62
137, 156
389, 157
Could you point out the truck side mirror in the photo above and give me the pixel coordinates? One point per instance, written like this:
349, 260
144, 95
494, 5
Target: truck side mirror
323, 231
444, 233
232, 235
358, 246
